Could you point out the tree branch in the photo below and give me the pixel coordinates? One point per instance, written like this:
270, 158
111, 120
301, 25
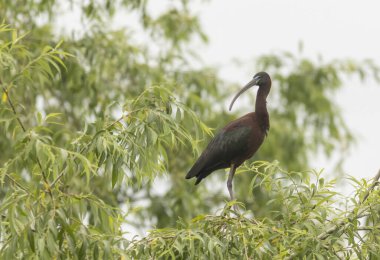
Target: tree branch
13, 108
17, 184
117, 121
122, 117
24, 130
58, 177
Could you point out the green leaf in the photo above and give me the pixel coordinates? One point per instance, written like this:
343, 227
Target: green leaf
115, 175
31, 240
39, 118
14, 36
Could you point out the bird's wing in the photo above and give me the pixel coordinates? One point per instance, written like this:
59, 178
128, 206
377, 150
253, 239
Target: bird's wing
221, 151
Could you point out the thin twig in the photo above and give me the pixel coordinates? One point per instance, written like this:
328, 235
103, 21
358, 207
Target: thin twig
43, 173
17, 183
13, 108
374, 183
120, 118
57, 179
24, 129
117, 121
367, 228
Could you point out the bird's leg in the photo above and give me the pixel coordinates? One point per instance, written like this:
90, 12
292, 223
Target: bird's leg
229, 182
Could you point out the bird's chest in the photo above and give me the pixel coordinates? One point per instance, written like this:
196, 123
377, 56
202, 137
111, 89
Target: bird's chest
254, 141
242, 142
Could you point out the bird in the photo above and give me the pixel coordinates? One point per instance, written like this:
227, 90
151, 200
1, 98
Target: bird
239, 140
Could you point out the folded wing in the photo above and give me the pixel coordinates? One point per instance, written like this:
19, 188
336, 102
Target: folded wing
228, 145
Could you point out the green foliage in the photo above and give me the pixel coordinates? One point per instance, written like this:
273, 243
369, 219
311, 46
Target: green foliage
49, 206
309, 224
98, 130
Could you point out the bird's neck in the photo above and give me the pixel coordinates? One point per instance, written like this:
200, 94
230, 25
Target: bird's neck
261, 109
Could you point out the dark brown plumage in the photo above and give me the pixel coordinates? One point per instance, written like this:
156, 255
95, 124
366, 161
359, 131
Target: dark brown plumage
239, 140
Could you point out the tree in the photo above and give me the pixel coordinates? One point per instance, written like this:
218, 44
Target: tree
93, 120
308, 225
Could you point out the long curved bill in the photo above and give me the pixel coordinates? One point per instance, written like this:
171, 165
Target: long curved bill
250, 84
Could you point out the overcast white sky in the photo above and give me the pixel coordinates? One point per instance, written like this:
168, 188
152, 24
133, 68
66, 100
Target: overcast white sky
334, 29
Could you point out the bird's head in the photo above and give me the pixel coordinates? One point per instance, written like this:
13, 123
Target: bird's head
261, 79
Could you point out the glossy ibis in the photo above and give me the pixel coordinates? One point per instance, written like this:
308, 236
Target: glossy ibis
239, 140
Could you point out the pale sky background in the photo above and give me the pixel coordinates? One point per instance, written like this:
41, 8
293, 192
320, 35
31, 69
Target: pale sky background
340, 29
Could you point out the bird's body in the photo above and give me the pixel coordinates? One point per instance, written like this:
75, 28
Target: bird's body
237, 141
234, 144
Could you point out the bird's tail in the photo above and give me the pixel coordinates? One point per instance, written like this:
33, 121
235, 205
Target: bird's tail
195, 171
192, 173
201, 171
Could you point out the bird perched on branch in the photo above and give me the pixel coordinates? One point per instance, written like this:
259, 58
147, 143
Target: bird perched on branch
239, 140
